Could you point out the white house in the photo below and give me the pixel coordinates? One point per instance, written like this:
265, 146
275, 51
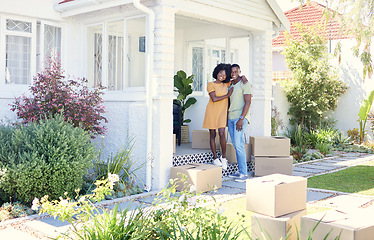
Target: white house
350, 68
134, 48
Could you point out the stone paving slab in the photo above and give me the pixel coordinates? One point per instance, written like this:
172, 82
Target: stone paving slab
325, 164
149, 200
225, 191
126, 205
233, 184
316, 196
308, 170
14, 234
301, 174
49, 226
320, 168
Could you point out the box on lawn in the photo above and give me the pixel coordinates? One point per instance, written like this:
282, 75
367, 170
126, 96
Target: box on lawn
231, 154
356, 224
276, 228
270, 146
204, 177
201, 139
269, 165
276, 194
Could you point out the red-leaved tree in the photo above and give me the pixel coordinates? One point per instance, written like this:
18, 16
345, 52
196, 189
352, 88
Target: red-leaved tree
53, 94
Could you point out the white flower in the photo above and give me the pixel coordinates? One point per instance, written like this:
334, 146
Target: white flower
64, 202
81, 199
181, 198
35, 204
113, 178
191, 201
192, 188
221, 210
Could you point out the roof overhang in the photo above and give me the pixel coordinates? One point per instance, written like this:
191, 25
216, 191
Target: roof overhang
284, 24
72, 8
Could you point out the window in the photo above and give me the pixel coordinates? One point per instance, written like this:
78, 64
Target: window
18, 52
205, 55
27, 43
116, 50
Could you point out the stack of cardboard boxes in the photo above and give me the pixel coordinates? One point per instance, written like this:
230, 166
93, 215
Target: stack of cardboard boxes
271, 155
279, 201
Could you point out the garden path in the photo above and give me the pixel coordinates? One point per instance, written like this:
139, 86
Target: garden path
45, 227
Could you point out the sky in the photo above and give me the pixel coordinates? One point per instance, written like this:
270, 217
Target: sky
286, 5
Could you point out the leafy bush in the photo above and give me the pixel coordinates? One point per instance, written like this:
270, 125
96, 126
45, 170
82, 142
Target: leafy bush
121, 164
276, 122
353, 135
321, 136
315, 87
48, 157
179, 218
52, 94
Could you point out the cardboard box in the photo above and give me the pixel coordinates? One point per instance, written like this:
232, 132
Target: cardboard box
269, 165
270, 146
276, 228
201, 139
203, 176
231, 154
276, 194
350, 225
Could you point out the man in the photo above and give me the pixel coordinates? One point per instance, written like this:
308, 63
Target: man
238, 119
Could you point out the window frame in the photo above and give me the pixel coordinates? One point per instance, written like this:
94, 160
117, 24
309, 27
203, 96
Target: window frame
115, 95
15, 90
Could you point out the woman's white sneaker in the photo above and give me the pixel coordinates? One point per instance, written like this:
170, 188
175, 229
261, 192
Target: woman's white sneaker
224, 163
217, 162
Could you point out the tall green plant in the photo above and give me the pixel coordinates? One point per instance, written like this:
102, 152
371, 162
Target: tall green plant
315, 87
183, 85
364, 113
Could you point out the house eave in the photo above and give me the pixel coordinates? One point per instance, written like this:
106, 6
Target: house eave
73, 8
284, 24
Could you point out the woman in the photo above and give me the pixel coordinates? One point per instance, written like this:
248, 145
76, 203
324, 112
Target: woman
216, 110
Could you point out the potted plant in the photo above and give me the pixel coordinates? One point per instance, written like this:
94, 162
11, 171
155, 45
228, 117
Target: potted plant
183, 85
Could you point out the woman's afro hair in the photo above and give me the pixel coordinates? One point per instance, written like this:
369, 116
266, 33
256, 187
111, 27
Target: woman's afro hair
220, 67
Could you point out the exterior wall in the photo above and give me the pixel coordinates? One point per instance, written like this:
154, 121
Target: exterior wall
126, 110
350, 70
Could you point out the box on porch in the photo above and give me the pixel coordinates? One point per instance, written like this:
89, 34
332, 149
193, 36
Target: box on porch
276, 228
276, 194
270, 165
270, 146
201, 139
357, 224
204, 177
231, 154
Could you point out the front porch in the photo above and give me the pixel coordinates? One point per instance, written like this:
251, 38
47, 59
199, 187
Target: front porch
185, 154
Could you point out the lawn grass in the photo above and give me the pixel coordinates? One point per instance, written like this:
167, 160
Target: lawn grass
357, 179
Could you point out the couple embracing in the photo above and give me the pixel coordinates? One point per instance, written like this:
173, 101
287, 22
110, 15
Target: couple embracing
219, 114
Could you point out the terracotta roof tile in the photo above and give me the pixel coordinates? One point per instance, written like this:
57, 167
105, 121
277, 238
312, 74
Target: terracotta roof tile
309, 15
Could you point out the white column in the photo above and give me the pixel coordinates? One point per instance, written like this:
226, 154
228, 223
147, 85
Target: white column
162, 140
262, 87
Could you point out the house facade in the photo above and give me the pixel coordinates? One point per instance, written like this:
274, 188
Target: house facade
134, 48
350, 67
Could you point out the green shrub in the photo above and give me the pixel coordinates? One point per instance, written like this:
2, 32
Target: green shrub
46, 158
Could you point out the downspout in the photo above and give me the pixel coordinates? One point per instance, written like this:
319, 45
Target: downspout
148, 86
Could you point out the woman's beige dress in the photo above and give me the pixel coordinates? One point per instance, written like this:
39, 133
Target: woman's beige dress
216, 112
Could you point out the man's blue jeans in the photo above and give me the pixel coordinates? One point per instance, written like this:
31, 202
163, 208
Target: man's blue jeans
237, 138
